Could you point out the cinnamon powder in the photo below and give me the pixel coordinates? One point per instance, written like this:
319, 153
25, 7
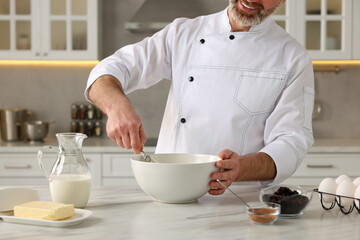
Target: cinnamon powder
265, 215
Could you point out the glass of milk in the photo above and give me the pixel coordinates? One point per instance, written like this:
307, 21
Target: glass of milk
70, 178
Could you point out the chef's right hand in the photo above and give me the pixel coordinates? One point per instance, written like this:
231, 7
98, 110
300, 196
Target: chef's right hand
124, 126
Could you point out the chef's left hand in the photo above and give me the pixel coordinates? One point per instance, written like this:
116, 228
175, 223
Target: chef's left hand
229, 171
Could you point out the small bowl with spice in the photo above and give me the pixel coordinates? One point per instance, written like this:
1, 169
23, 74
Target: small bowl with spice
263, 213
292, 199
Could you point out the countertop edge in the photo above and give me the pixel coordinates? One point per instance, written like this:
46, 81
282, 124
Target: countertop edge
105, 145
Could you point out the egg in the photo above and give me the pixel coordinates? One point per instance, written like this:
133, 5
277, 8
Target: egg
341, 178
357, 195
356, 181
328, 185
346, 188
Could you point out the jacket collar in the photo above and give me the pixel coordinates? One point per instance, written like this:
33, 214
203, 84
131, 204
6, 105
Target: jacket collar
256, 28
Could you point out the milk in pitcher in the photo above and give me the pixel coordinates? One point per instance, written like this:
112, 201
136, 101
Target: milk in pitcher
71, 188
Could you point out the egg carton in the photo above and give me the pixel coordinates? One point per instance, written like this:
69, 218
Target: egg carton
338, 202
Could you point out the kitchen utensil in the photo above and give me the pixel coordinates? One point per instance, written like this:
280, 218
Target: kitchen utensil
35, 130
260, 209
317, 109
70, 177
147, 157
233, 193
178, 178
10, 121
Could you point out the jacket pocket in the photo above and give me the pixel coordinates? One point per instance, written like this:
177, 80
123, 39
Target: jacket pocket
257, 92
309, 98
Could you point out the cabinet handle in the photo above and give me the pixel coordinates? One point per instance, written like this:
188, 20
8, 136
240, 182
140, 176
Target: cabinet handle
37, 54
45, 54
88, 160
319, 166
26, 166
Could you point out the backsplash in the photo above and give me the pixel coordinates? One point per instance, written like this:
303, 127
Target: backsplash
338, 95
50, 91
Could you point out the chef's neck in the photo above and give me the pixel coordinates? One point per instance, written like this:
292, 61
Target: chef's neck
237, 27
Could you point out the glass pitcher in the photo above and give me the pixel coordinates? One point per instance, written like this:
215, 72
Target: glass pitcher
70, 178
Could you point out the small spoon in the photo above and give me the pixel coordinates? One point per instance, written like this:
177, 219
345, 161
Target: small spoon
147, 157
233, 193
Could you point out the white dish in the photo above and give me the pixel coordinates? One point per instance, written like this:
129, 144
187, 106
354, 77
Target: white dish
12, 196
79, 216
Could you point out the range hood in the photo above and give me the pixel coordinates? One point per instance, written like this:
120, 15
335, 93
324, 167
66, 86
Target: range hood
154, 15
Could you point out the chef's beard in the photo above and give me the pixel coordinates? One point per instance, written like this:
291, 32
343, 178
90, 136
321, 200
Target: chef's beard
247, 20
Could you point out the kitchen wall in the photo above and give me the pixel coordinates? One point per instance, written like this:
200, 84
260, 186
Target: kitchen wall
338, 95
49, 91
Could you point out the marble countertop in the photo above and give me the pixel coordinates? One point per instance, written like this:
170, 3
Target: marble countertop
105, 145
126, 212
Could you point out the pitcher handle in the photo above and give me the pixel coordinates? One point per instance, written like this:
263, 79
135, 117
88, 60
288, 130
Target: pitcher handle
39, 157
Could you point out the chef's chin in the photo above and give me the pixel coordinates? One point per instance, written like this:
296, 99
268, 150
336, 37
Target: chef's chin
247, 20
243, 18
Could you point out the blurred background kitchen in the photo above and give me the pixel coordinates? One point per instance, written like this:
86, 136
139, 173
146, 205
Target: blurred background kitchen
71, 32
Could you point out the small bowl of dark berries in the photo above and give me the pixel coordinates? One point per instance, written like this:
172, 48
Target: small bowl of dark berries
292, 199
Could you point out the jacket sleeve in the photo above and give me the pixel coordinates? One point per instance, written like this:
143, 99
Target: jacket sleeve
288, 131
139, 65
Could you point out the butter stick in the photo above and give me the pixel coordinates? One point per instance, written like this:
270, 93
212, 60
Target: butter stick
44, 210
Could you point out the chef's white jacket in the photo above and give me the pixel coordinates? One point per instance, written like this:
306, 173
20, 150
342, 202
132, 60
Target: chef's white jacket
245, 91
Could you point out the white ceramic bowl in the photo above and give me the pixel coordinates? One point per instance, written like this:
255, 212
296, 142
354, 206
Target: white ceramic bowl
177, 178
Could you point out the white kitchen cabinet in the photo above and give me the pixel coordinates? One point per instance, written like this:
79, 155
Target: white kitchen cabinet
23, 168
94, 162
317, 166
356, 30
106, 168
116, 167
286, 17
323, 27
49, 29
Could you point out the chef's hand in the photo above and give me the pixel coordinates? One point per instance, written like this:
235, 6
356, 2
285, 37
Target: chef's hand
234, 168
123, 125
229, 171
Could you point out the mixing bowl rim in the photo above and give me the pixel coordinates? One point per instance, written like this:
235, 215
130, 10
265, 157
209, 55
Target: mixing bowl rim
13, 109
167, 164
263, 204
36, 122
304, 191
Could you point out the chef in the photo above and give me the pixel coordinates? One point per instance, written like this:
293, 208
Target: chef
241, 88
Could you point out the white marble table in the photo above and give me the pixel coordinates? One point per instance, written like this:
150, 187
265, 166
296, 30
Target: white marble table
125, 212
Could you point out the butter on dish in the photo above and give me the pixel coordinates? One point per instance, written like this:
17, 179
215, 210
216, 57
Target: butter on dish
44, 210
